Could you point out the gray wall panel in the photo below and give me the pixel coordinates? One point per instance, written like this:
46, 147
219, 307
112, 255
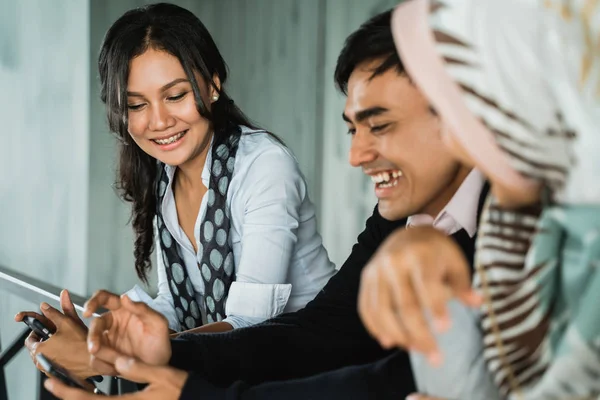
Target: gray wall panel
44, 154
347, 194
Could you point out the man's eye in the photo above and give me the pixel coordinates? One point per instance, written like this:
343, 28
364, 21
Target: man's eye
351, 131
379, 128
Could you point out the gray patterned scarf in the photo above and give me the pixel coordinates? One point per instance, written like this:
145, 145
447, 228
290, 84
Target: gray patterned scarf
217, 266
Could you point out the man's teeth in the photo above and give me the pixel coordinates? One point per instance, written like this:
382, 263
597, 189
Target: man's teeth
387, 185
171, 139
382, 179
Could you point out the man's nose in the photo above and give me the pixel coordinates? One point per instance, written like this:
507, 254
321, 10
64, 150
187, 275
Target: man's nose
362, 149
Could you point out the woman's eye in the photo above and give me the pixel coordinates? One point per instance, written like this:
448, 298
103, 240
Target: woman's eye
134, 107
176, 98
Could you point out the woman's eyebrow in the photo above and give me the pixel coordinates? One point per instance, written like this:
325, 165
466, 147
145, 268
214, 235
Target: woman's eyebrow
162, 89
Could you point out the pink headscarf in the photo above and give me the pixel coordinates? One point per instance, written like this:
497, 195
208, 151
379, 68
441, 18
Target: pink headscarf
515, 81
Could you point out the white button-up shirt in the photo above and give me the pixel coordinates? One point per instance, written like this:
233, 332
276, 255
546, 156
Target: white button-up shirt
280, 262
461, 210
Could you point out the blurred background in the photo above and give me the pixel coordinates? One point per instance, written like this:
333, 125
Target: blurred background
60, 219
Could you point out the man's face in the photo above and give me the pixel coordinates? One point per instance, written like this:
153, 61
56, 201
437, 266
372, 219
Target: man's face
396, 140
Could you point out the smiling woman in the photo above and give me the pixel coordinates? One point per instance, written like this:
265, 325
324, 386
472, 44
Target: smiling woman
162, 110
223, 202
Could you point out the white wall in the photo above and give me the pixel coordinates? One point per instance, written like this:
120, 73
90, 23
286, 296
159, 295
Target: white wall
44, 96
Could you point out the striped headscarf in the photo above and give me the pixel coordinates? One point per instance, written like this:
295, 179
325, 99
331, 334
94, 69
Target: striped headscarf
517, 82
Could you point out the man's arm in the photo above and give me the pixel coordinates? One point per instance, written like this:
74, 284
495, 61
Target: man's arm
389, 378
325, 335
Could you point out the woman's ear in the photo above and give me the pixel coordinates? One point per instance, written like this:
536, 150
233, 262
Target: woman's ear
215, 88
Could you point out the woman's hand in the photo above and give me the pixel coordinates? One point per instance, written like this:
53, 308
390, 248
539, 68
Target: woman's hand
412, 276
67, 346
164, 383
129, 329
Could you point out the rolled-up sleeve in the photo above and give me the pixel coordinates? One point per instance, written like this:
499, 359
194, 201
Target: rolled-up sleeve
164, 303
273, 191
252, 303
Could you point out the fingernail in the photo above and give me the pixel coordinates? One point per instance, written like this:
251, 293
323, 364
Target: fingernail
48, 384
123, 363
45, 306
412, 397
91, 346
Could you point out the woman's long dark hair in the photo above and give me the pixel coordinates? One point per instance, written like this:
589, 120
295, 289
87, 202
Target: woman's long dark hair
180, 33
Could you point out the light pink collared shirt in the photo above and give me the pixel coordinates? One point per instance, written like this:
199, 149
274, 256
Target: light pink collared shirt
461, 210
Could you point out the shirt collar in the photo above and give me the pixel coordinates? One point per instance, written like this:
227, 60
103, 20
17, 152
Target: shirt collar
460, 211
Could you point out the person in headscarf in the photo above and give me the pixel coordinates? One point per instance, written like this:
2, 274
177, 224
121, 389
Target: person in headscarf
517, 85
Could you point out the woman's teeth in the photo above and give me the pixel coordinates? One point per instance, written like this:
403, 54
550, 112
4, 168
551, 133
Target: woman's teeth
171, 139
386, 179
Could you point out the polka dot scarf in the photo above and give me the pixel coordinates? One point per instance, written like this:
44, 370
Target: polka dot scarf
217, 266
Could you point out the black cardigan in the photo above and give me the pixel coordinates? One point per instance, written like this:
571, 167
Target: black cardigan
320, 339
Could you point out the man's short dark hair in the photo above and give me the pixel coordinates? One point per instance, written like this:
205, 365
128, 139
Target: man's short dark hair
372, 41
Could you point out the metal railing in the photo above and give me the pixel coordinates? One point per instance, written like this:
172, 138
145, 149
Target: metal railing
37, 291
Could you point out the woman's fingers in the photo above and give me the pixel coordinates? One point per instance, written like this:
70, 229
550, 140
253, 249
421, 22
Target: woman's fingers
40, 317
389, 325
56, 317
32, 341
96, 331
143, 311
102, 367
101, 298
65, 392
433, 294
69, 308
412, 314
458, 276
